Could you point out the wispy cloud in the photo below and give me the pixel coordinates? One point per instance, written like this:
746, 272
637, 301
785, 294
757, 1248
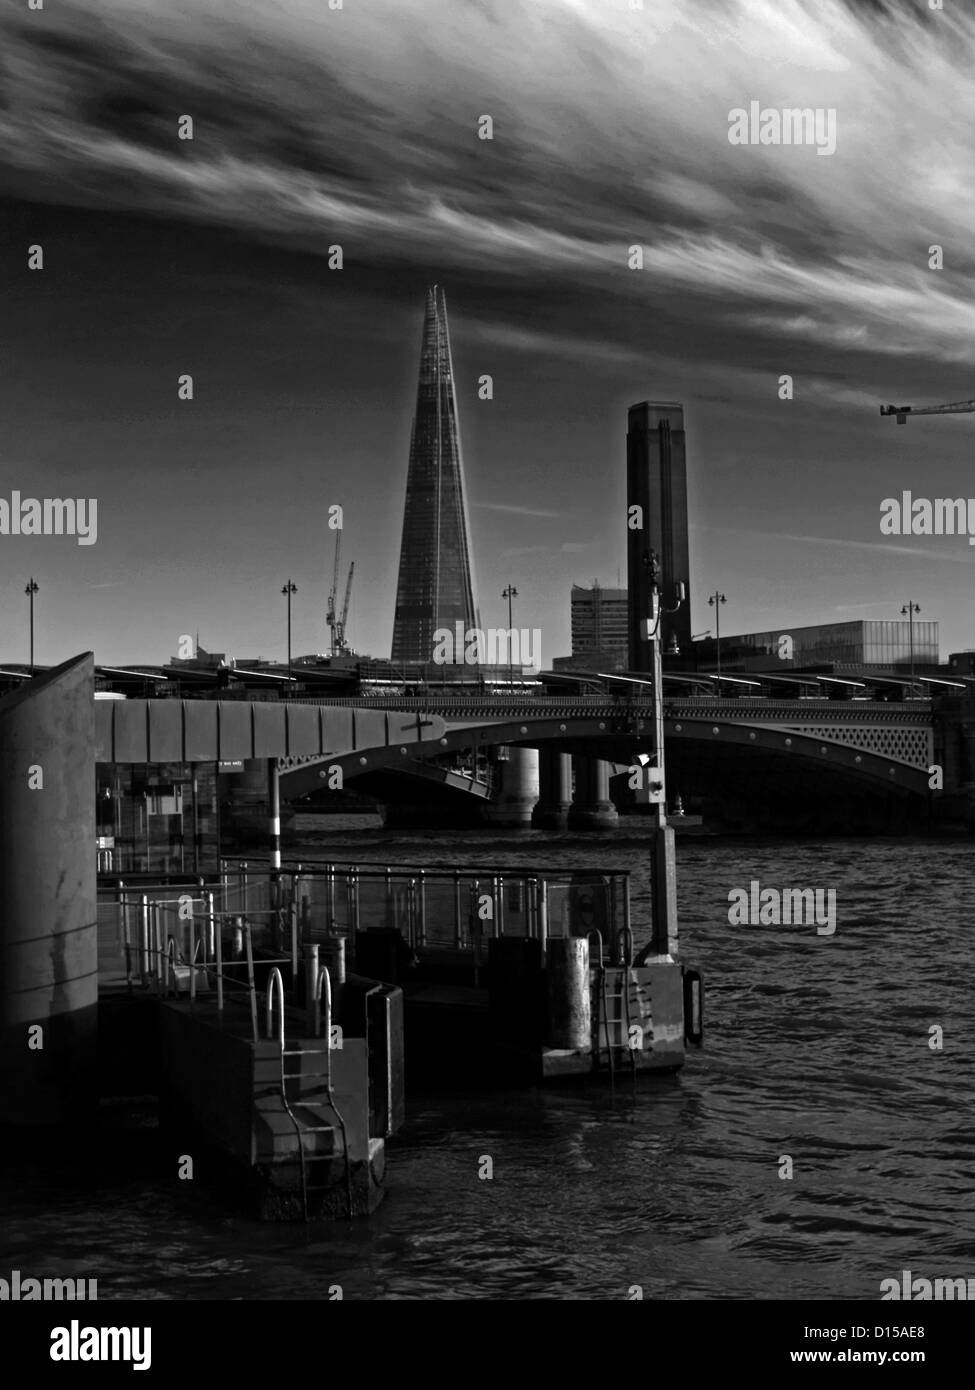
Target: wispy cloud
367, 135
953, 552
515, 510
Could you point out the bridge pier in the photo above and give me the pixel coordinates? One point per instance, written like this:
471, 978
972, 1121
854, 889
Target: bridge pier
555, 790
591, 807
518, 790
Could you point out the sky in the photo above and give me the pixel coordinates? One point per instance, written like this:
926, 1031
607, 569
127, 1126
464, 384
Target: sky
358, 127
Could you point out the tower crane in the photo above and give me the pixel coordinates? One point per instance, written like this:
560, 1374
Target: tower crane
902, 411
342, 644
333, 592
336, 623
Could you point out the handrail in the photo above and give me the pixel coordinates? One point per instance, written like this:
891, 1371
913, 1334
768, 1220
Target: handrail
594, 931
275, 986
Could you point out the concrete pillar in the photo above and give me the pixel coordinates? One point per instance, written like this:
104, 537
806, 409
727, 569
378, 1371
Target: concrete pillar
518, 791
570, 1021
591, 807
555, 790
48, 898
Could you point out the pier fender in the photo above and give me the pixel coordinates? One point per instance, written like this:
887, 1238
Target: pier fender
693, 1007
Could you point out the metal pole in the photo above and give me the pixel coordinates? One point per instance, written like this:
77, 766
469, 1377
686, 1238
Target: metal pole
250, 980
31, 590
274, 812
219, 946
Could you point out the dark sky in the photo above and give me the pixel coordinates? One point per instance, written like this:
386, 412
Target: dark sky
359, 127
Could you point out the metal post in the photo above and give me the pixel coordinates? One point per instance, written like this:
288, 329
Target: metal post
663, 881
192, 958
422, 938
311, 987
250, 979
274, 813
144, 939
219, 945
543, 919
458, 932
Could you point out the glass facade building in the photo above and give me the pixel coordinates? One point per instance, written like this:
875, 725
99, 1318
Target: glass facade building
863, 642
435, 588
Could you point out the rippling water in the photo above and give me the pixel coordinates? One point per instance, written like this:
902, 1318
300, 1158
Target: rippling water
816, 1047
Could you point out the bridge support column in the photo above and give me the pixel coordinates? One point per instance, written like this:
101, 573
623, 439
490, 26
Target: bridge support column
555, 790
518, 790
591, 807
48, 913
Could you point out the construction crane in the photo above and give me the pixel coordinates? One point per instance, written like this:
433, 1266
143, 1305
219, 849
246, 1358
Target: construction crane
342, 643
902, 411
335, 623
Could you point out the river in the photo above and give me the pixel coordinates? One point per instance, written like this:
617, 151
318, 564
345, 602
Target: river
817, 1049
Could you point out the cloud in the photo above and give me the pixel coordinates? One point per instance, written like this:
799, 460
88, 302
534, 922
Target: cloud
358, 126
517, 510
956, 555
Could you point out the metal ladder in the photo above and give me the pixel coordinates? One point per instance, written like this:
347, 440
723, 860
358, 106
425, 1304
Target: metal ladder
607, 1020
275, 989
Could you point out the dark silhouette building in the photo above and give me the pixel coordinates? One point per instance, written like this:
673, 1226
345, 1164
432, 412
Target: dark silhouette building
435, 587
656, 483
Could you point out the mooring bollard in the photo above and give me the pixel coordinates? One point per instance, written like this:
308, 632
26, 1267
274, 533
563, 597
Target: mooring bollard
570, 1015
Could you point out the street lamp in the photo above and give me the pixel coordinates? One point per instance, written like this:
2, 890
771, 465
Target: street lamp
910, 608
716, 600
509, 593
288, 590
31, 590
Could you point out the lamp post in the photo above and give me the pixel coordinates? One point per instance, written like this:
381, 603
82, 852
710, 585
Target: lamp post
510, 593
288, 590
910, 608
716, 600
30, 591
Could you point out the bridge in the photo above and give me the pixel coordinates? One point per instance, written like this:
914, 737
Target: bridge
873, 742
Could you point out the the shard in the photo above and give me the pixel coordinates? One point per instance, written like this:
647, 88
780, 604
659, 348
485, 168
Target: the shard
435, 589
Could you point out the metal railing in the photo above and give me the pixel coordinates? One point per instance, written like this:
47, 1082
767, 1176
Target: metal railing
436, 910
440, 908
176, 945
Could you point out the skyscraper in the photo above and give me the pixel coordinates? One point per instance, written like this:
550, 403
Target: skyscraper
436, 585
656, 482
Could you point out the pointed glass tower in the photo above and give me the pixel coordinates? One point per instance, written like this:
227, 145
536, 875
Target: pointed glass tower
436, 582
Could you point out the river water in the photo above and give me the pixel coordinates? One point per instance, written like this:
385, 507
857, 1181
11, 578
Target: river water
816, 1048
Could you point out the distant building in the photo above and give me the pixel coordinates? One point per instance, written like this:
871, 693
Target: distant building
435, 589
599, 629
859, 642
